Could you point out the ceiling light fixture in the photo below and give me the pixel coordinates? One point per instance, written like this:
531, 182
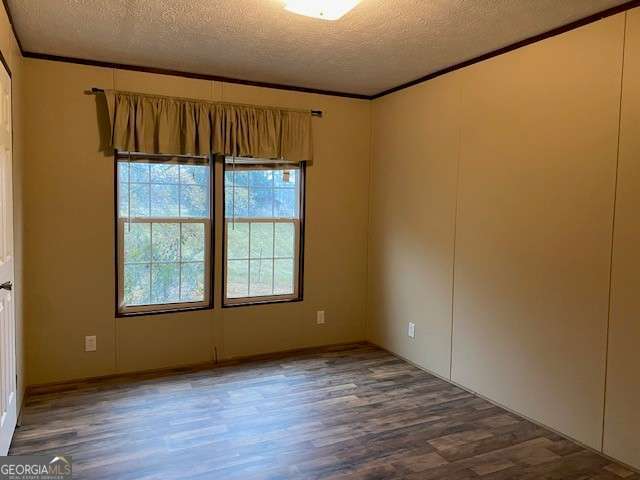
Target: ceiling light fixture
323, 9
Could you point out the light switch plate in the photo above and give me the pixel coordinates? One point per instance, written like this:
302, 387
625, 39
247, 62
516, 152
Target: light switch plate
412, 330
320, 317
90, 344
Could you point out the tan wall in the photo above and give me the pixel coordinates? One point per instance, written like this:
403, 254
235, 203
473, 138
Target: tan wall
524, 148
622, 415
533, 231
69, 210
13, 57
413, 196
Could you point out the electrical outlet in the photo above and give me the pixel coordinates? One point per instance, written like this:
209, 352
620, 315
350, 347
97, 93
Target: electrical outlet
320, 317
412, 330
90, 343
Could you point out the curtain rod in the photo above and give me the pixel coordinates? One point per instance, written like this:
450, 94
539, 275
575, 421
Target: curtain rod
314, 113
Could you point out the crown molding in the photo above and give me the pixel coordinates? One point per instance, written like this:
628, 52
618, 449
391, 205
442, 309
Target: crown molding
514, 46
509, 48
199, 76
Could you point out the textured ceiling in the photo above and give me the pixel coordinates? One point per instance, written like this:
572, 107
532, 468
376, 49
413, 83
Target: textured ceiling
378, 45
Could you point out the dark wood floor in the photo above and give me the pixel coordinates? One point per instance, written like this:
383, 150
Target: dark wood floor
353, 412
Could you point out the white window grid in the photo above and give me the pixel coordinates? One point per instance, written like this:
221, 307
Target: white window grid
125, 221
152, 183
295, 220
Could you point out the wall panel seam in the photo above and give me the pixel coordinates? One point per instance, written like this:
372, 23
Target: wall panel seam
455, 229
613, 227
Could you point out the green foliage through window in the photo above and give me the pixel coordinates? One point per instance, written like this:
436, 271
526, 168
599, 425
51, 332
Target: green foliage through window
262, 215
164, 223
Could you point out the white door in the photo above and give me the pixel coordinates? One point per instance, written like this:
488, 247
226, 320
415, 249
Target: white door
8, 407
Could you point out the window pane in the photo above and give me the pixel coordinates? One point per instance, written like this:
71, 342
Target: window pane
192, 286
261, 178
285, 203
236, 202
193, 242
285, 240
123, 172
137, 286
166, 242
165, 283
261, 240
237, 240
237, 278
139, 171
164, 173
261, 278
236, 178
137, 242
261, 202
194, 174
123, 200
164, 201
194, 201
283, 276
139, 200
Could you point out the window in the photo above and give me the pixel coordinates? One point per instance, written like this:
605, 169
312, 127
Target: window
163, 233
263, 232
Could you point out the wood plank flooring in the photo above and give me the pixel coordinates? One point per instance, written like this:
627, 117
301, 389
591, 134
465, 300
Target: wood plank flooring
348, 412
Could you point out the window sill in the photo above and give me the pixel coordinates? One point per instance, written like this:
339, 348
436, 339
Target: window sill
252, 303
120, 314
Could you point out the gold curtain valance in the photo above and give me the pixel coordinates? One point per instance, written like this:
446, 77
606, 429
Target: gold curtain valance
180, 126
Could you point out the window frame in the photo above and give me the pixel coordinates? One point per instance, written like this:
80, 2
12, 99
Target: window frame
209, 260
298, 294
